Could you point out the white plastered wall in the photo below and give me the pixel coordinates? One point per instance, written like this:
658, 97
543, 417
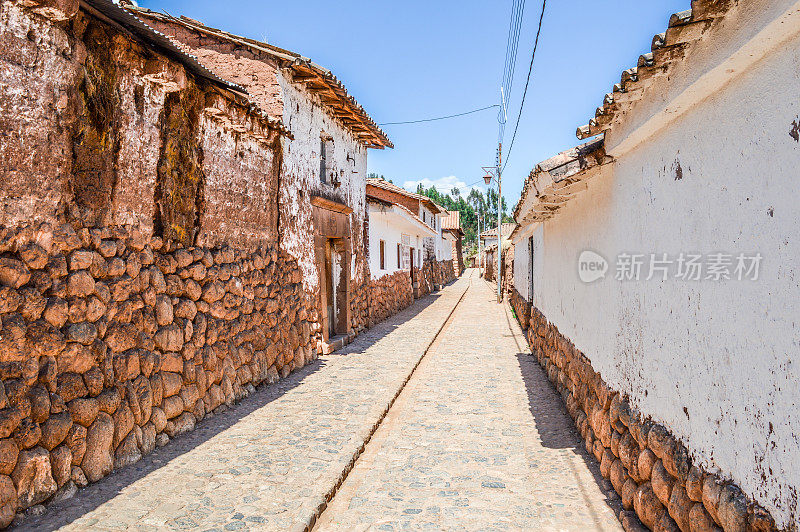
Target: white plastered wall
718, 363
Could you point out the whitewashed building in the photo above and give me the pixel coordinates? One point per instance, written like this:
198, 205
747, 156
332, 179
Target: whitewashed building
666, 253
396, 237
429, 263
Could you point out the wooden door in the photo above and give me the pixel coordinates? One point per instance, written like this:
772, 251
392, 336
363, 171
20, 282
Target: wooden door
412, 266
331, 296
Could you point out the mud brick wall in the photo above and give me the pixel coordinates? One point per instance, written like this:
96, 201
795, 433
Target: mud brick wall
389, 295
114, 343
489, 266
651, 470
508, 271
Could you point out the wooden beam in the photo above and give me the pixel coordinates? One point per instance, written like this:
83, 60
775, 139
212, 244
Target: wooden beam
571, 188
330, 205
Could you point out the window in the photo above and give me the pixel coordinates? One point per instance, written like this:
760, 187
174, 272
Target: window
325, 154
399, 254
383, 255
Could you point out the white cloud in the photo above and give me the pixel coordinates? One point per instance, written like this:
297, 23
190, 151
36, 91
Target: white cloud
444, 185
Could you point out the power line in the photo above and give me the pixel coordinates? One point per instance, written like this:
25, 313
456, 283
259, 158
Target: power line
527, 81
512, 45
515, 25
440, 117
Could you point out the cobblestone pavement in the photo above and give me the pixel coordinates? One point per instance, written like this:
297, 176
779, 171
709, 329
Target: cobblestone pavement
268, 462
477, 440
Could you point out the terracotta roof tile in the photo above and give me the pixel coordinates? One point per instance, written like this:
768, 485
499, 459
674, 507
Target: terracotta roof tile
653, 67
357, 118
508, 227
452, 220
382, 183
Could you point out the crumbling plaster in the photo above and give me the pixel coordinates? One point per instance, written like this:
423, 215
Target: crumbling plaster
309, 120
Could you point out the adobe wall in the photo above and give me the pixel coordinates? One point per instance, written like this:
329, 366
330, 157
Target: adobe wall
394, 197
274, 89
458, 257
141, 282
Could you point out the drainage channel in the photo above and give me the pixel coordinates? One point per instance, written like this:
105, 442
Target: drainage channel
343, 476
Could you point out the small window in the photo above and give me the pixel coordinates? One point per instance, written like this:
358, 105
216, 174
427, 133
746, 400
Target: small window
399, 255
325, 153
383, 255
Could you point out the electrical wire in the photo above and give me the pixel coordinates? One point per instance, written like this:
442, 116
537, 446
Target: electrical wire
440, 117
527, 81
512, 45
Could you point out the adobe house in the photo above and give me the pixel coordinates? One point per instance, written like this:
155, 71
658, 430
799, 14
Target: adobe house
453, 234
489, 241
323, 171
395, 233
164, 238
654, 270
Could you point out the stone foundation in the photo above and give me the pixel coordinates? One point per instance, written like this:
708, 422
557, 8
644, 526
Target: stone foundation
113, 343
433, 273
521, 307
650, 469
389, 295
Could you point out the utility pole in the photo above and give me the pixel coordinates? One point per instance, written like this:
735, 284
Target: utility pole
480, 259
497, 170
499, 223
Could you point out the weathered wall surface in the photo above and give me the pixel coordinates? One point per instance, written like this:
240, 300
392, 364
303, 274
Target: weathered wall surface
114, 339
522, 265
242, 173
409, 203
457, 256
36, 151
715, 362
243, 65
308, 120
650, 469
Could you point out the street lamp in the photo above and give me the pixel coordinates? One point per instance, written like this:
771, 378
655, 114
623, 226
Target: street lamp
490, 171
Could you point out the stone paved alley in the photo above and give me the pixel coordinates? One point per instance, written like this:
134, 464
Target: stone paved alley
477, 439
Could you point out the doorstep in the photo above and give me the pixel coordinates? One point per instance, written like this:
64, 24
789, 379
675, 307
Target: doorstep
337, 342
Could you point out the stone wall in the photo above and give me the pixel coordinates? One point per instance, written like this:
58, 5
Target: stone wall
648, 467
458, 257
433, 273
114, 342
522, 308
388, 295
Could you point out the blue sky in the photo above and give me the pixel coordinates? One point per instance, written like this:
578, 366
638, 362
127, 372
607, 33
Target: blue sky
419, 59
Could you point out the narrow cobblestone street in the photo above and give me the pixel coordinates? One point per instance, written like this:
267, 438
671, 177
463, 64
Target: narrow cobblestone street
477, 439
